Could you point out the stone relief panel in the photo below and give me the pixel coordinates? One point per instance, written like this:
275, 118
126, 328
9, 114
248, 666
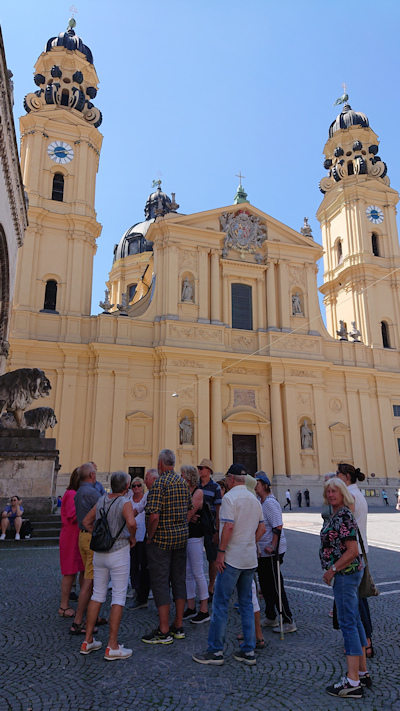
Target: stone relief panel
195, 334
244, 397
247, 342
296, 373
188, 260
298, 344
303, 402
186, 363
297, 276
335, 404
187, 394
140, 391
244, 371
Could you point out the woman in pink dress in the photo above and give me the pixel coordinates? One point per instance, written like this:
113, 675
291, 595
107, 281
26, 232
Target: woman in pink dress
70, 559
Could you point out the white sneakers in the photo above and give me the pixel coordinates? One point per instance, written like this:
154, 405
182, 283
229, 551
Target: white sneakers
87, 647
287, 627
2, 537
17, 537
270, 623
121, 653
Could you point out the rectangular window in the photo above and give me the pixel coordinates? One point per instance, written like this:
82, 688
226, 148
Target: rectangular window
242, 310
136, 471
396, 410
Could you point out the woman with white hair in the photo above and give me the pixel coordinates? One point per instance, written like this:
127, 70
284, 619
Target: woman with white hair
343, 569
114, 564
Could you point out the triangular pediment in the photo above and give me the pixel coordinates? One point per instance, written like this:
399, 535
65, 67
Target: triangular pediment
210, 222
339, 427
139, 416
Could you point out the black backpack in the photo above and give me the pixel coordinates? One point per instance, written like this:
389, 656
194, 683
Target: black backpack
26, 528
102, 540
206, 520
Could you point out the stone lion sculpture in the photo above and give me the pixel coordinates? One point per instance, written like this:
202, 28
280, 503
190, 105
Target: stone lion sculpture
39, 418
19, 388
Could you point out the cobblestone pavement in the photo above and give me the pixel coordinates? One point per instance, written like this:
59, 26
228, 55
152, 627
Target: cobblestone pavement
40, 667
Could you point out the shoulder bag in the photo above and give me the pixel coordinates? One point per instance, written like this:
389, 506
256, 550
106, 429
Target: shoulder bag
367, 586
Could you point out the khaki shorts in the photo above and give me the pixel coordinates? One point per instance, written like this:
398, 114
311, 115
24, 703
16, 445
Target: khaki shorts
86, 554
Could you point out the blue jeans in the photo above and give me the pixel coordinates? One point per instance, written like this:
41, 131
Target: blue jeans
345, 590
224, 587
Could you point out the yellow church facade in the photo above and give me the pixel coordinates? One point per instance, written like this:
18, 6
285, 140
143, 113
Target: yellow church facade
210, 341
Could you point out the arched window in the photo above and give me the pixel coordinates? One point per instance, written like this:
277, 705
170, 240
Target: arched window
65, 97
58, 187
131, 292
385, 334
242, 311
339, 253
375, 244
50, 296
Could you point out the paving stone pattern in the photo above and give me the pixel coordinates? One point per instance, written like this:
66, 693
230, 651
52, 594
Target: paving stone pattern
41, 668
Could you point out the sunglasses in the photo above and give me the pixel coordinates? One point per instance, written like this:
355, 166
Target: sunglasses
201, 468
136, 486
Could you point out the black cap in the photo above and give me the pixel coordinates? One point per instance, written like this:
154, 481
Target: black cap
237, 470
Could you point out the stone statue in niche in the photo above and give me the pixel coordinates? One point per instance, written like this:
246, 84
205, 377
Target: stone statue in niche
296, 305
186, 431
355, 333
187, 291
306, 436
342, 332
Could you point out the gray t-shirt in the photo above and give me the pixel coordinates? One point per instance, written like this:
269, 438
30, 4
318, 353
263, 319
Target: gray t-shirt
85, 498
115, 519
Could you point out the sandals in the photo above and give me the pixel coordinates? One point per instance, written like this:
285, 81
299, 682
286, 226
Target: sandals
101, 621
65, 610
369, 651
80, 628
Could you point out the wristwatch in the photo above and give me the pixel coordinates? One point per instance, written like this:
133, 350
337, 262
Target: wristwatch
334, 568
220, 550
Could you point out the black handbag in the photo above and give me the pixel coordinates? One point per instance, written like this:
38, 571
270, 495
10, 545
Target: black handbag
102, 541
367, 586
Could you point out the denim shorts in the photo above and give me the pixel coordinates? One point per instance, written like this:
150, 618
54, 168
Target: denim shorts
345, 591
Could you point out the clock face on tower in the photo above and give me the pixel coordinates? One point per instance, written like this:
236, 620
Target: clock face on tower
60, 152
374, 214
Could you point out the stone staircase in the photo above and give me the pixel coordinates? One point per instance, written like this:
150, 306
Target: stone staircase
46, 532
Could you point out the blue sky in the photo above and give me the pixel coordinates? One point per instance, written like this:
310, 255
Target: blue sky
200, 90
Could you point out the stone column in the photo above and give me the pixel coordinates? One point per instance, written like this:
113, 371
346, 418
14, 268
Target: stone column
172, 281
314, 314
278, 442
291, 429
260, 304
271, 297
356, 432
369, 434
118, 421
156, 418
203, 287
202, 437
321, 430
226, 301
284, 296
215, 289
216, 424
389, 457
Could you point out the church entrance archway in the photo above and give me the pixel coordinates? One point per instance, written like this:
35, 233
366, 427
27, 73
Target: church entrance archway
245, 451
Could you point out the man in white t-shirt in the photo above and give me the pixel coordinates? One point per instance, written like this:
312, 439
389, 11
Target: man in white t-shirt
241, 527
288, 500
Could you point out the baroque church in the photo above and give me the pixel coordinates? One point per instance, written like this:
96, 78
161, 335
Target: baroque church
210, 339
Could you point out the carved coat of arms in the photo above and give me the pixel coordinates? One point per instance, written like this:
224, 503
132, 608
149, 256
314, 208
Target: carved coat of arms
244, 233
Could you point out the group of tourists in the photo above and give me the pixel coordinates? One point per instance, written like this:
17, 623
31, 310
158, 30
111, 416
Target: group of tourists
154, 532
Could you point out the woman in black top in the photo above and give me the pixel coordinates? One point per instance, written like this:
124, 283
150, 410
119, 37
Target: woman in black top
194, 556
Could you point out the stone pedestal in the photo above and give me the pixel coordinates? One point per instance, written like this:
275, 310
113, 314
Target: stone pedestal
28, 468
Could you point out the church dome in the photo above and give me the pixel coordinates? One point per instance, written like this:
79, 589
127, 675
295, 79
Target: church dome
348, 118
155, 201
134, 241
70, 40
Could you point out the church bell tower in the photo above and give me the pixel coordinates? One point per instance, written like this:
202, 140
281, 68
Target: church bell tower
359, 233
60, 151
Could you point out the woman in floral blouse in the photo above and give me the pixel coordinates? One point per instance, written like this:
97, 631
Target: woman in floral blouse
343, 570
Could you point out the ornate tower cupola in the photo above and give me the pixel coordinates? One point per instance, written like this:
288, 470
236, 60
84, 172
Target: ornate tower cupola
60, 151
358, 221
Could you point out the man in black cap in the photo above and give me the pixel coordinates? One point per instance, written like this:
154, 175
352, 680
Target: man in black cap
241, 526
